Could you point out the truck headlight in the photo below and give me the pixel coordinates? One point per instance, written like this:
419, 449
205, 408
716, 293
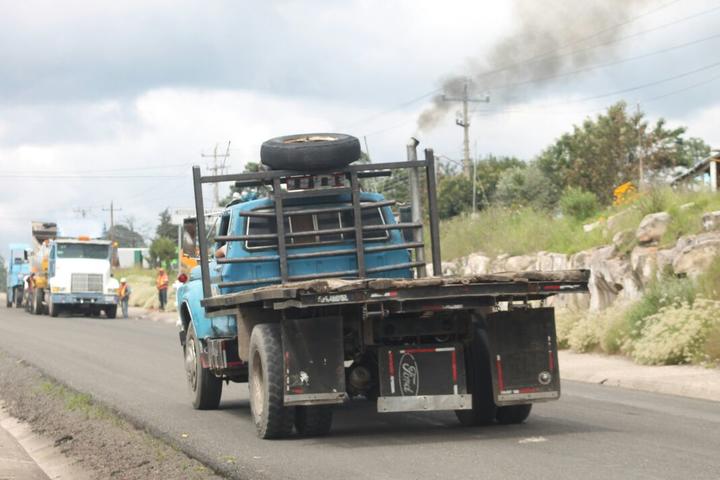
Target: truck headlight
58, 289
112, 291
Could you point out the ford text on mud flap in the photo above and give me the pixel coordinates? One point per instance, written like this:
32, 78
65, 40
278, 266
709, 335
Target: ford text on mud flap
423, 377
523, 356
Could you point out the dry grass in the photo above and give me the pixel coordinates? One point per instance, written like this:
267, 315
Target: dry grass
142, 282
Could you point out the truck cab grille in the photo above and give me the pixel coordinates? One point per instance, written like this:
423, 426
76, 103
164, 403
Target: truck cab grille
86, 282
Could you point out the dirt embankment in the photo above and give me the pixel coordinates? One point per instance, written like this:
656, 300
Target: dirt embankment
103, 443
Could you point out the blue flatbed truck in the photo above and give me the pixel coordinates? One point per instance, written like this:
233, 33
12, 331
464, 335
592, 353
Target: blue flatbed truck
312, 292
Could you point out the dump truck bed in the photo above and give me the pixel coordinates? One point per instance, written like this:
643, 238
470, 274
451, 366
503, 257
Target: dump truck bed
463, 291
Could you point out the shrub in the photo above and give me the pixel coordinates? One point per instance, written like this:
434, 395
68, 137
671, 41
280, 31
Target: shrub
565, 321
709, 281
661, 293
579, 204
585, 335
678, 334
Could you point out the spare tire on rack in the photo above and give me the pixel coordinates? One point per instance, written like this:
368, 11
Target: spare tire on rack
310, 152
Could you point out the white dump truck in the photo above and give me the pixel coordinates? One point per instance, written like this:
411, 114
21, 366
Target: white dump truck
71, 274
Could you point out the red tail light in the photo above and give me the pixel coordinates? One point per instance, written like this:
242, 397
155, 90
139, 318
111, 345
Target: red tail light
182, 278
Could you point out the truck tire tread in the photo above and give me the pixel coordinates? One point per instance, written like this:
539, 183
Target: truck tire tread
208, 387
313, 421
483, 410
513, 414
275, 420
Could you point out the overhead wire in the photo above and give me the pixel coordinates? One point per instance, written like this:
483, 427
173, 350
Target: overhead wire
537, 57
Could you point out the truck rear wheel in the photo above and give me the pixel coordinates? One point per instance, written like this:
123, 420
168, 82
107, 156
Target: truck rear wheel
18, 297
513, 414
111, 312
477, 360
313, 421
266, 383
205, 388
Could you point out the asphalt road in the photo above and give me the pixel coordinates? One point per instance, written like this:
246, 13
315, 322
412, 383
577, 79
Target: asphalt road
135, 366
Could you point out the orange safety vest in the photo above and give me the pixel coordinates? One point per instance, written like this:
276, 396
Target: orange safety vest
162, 281
122, 292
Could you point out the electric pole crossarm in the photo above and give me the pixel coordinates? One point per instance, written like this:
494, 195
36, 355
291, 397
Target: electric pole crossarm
465, 123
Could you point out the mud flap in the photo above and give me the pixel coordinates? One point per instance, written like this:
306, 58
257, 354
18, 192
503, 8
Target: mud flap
313, 360
523, 356
423, 378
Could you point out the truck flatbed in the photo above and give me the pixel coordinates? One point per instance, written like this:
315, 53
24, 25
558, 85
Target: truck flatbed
503, 286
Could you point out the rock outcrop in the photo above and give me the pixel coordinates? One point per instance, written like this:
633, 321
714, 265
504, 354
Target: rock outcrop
652, 228
615, 274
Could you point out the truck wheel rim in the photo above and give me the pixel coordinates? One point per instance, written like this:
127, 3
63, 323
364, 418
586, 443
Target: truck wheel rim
191, 363
257, 392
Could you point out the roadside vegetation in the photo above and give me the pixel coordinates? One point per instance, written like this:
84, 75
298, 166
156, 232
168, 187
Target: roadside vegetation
527, 229
676, 321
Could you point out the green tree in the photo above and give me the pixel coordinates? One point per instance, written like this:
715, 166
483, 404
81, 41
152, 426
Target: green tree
166, 228
578, 203
488, 172
162, 251
524, 187
454, 195
606, 151
125, 237
691, 151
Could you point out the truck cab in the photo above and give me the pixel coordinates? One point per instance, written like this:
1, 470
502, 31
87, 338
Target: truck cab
79, 277
18, 268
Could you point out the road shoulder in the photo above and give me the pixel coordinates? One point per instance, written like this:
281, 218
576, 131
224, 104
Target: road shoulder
684, 380
15, 461
66, 428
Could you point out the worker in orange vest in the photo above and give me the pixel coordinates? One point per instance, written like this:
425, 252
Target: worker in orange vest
124, 296
161, 282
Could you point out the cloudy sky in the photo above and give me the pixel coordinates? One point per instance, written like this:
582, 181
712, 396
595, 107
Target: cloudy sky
114, 101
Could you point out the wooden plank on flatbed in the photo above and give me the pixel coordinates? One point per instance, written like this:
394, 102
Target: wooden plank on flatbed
323, 292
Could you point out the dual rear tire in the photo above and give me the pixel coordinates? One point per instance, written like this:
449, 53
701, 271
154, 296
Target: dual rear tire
484, 411
266, 384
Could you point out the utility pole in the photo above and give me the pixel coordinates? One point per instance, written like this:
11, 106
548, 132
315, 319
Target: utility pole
112, 210
465, 123
641, 178
217, 168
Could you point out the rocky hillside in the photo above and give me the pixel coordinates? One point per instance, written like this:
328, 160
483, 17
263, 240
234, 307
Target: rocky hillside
619, 270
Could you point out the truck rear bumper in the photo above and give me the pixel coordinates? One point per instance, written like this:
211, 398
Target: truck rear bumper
422, 403
84, 298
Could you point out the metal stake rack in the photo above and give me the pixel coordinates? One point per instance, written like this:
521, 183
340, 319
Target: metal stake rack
352, 174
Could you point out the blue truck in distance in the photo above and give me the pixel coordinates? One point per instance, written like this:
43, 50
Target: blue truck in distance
18, 268
312, 292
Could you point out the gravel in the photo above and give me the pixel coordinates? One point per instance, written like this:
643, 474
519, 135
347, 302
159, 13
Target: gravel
98, 439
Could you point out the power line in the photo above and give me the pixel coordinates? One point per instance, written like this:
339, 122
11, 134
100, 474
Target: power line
608, 64
85, 177
110, 170
534, 58
598, 45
